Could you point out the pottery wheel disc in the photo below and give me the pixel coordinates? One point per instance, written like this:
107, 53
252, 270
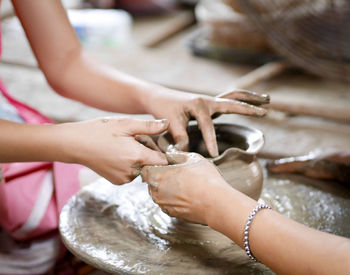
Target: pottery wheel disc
120, 230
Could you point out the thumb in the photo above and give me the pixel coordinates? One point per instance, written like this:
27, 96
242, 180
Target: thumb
178, 131
150, 175
147, 127
150, 171
177, 157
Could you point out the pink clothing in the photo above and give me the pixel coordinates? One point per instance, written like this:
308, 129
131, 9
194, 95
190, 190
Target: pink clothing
33, 194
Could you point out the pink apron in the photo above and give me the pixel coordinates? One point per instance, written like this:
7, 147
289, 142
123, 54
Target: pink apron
33, 194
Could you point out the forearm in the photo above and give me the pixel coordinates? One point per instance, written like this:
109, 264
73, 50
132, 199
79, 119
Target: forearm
101, 86
281, 243
27, 143
71, 72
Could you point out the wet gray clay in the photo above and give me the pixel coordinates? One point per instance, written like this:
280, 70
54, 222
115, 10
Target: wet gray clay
238, 146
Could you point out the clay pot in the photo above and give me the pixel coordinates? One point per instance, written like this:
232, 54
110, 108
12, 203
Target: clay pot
238, 146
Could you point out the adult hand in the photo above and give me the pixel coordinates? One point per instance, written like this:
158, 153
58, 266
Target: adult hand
110, 146
180, 107
330, 164
185, 188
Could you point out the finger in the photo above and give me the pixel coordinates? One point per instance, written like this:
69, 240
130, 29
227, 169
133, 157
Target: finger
145, 173
177, 129
247, 96
151, 157
152, 188
228, 106
150, 175
152, 192
208, 132
177, 157
146, 127
147, 141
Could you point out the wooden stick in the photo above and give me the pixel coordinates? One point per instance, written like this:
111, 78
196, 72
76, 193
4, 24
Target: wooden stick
273, 69
262, 73
179, 23
300, 109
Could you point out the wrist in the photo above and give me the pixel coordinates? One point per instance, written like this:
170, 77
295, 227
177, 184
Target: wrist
230, 213
215, 203
149, 95
66, 143
159, 97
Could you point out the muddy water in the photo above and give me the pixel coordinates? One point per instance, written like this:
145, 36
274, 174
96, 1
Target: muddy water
119, 229
319, 204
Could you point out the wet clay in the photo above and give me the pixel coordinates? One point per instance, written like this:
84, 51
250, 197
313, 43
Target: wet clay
120, 229
237, 163
238, 146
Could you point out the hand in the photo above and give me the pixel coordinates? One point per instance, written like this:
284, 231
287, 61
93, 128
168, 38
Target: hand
180, 107
109, 146
328, 164
185, 188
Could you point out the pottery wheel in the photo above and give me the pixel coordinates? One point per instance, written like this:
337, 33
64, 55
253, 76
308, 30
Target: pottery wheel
120, 230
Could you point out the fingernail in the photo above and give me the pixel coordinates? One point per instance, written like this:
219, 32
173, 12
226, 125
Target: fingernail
163, 121
266, 97
261, 111
214, 151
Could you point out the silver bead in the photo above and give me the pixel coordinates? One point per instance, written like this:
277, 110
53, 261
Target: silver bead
247, 227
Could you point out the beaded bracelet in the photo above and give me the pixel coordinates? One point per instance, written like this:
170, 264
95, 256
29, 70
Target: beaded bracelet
247, 227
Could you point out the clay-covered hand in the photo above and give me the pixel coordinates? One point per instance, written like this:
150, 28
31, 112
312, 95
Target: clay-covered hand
180, 107
110, 146
329, 164
185, 188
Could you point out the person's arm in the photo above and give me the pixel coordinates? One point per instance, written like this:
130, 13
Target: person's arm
70, 71
193, 189
282, 244
108, 145
21, 142
74, 74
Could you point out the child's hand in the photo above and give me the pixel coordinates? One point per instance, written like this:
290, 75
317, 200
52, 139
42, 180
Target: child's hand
188, 188
179, 108
109, 146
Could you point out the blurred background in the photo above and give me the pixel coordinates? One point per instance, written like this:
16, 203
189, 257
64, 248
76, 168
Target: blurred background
208, 46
